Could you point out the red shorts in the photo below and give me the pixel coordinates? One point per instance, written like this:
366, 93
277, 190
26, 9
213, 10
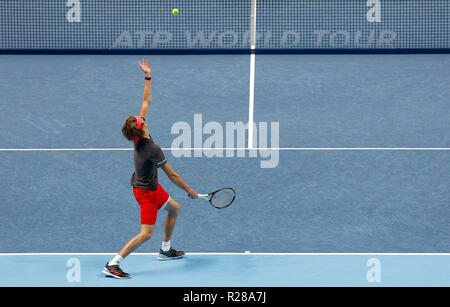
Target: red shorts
150, 202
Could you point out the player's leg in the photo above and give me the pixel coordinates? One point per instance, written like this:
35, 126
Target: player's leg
145, 234
167, 252
173, 208
112, 268
148, 202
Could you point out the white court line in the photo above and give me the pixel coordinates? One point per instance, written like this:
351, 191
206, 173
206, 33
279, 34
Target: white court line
251, 96
231, 253
229, 148
66, 149
251, 100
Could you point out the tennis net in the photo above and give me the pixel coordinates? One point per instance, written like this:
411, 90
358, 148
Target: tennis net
223, 24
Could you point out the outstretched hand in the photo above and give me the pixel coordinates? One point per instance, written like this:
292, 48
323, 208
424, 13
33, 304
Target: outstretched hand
145, 66
192, 194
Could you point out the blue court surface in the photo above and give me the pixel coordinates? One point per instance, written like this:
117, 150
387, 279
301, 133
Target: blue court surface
231, 270
347, 183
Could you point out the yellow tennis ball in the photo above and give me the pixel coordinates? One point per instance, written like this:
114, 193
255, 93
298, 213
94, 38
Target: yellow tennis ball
175, 11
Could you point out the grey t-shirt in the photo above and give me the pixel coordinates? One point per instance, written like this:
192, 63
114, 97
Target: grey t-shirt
147, 158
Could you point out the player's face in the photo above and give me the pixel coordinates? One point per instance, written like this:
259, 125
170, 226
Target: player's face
144, 126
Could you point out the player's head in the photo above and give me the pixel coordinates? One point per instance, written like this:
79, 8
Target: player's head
134, 128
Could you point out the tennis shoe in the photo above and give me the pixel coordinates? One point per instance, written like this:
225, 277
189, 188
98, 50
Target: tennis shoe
170, 254
114, 271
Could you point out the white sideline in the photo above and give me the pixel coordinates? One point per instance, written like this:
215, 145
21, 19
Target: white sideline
237, 148
237, 253
251, 96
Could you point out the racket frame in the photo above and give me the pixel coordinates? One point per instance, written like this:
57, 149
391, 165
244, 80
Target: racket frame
209, 196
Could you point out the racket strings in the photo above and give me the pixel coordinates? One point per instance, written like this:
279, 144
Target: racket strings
223, 198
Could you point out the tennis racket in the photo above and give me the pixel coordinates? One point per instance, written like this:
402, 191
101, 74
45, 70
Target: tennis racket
220, 198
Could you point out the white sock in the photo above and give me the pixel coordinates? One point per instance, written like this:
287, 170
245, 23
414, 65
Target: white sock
116, 260
166, 246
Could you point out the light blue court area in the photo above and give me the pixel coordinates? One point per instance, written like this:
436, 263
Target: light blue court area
230, 270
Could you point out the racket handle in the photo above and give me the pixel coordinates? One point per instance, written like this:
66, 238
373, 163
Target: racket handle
189, 195
205, 196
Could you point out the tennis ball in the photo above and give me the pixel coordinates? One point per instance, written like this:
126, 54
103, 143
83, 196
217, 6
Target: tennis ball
175, 11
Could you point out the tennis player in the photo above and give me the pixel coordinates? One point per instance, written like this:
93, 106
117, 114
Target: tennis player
150, 195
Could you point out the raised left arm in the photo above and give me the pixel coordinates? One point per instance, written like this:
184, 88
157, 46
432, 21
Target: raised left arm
147, 95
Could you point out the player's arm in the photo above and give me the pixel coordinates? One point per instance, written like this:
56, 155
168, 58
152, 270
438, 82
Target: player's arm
178, 181
147, 95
